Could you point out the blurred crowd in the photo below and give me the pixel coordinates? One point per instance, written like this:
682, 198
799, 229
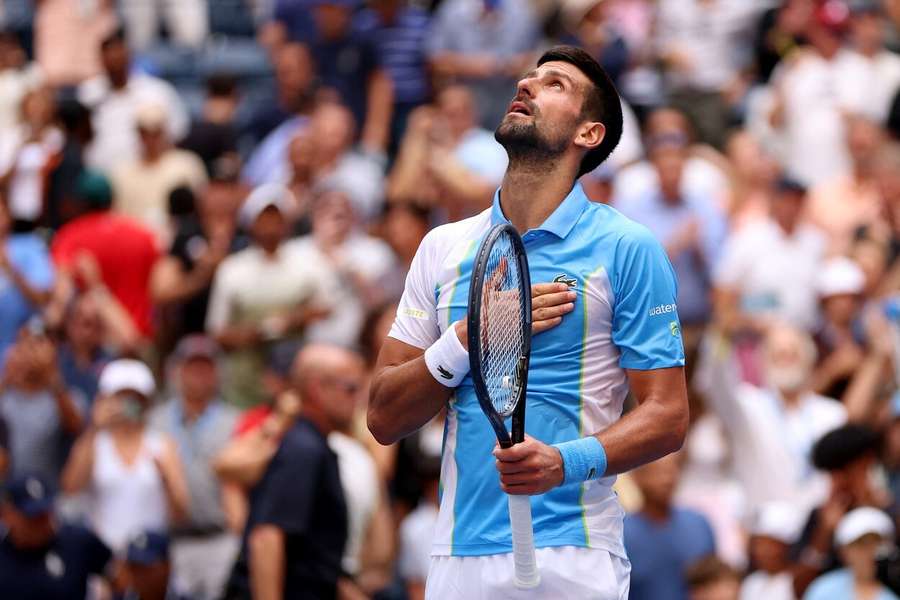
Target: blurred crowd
208, 211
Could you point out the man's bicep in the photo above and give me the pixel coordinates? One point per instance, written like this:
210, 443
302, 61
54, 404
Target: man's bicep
645, 326
665, 386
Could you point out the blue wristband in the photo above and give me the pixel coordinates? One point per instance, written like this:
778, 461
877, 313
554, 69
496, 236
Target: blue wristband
583, 459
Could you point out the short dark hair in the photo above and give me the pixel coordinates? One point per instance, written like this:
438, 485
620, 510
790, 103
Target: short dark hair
221, 85
601, 101
844, 445
115, 37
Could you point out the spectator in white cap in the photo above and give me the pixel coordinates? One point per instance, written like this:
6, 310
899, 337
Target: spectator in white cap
840, 285
777, 525
262, 294
861, 535
132, 475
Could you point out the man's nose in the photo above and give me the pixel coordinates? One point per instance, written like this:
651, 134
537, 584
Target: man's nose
525, 87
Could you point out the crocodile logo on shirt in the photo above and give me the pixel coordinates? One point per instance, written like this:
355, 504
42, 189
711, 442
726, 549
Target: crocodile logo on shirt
444, 372
563, 278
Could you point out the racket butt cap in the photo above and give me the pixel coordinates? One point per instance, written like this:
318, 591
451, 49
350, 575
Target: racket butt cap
527, 584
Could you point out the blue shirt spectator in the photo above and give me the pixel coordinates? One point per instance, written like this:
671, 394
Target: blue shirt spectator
660, 552
663, 540
692, 229
840, 584
24, 261
398, 34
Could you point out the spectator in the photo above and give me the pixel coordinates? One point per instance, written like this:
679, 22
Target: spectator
753, 285
445, 159
204, 545
403, 228
781, 30
214, 134
114, 98
754, 173
295, 85
148, 570
61, 206
112, 253
398, 32
840, 285
711, 579
66, 36
588, 26
261, 295
298, 525
690, 227
704, 70
26, 279
82, 354
40, 413
771, 427
702, 177
811, 123
849, 200
181, 281
325, 152
662, 540
347, 63
17, 77
775, 528
860, 536
848, 454
142, 187
41, 558
187, 22
868, 26
122, 464
485, 45
26, 153
361, 265
416, 530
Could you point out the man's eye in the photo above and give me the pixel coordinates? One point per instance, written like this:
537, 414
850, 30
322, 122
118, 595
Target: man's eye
556, 84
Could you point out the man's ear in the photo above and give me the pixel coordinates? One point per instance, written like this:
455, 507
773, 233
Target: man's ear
590, 135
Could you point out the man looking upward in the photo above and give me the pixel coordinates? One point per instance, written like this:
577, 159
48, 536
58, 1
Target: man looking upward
607, 322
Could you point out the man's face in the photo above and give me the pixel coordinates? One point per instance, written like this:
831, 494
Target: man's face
27, 532
199, 377
546, 111
658, 480
340, 387
115, 59
269, 229
84, 328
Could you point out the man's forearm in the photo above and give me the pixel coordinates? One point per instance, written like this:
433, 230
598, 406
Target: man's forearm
266, 562
404, 397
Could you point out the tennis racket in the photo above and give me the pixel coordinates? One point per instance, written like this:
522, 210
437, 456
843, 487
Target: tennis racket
499, 324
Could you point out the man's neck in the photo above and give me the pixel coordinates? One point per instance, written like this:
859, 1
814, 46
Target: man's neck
658, 513
529, 195
792, 398
318, 418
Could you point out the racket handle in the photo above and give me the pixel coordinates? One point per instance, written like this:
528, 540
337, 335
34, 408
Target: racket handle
527, 575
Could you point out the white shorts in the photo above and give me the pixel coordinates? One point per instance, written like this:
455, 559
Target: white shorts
567, 573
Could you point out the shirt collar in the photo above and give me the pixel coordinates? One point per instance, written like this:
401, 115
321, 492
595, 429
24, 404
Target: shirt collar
561, 221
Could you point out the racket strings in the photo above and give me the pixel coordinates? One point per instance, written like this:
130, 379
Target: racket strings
502, 327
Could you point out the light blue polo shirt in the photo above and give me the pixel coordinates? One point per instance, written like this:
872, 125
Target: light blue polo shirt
625, 317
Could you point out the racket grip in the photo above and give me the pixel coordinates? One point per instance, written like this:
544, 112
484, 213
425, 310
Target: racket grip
526, 575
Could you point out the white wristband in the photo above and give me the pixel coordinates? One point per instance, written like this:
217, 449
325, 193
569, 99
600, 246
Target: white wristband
447, 359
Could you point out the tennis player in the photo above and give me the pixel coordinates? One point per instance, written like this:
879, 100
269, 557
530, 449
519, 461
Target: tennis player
605, 322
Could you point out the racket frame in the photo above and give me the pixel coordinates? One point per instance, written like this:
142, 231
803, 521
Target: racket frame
479, 273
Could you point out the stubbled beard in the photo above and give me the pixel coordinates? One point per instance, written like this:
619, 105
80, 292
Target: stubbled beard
526, 145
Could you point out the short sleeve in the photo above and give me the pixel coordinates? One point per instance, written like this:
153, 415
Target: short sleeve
288, 490
416, 322
645, 324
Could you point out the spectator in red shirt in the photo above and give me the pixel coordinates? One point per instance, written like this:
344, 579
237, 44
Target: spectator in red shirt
124, 250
